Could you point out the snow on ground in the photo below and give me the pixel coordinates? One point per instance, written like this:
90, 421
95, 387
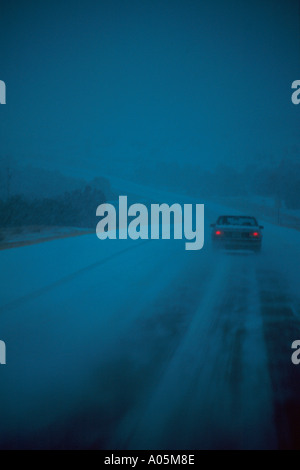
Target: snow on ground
141, 344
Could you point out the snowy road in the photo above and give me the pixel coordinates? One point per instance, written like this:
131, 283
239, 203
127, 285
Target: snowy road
143, 345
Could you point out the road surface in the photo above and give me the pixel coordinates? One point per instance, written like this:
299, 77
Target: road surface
125, 344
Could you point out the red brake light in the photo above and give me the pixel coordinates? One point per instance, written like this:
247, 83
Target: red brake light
218, 232
255, 234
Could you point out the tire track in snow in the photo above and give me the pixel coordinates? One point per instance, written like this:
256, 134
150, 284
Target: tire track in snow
152, 418
281, 328
209, 395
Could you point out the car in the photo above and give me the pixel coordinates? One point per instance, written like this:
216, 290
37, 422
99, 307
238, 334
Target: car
237, 232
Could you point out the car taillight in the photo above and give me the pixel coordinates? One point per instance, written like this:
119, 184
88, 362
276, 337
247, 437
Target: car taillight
255, 234
218, 233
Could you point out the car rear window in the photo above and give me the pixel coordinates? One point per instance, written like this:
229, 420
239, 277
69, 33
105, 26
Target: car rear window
237, 220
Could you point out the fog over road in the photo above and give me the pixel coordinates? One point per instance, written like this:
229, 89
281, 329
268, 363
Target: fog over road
124, 344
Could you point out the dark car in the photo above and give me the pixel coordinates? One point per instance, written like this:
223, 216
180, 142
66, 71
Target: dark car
237, 232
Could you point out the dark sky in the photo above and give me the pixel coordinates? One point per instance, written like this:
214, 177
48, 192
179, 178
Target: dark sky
108, 84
